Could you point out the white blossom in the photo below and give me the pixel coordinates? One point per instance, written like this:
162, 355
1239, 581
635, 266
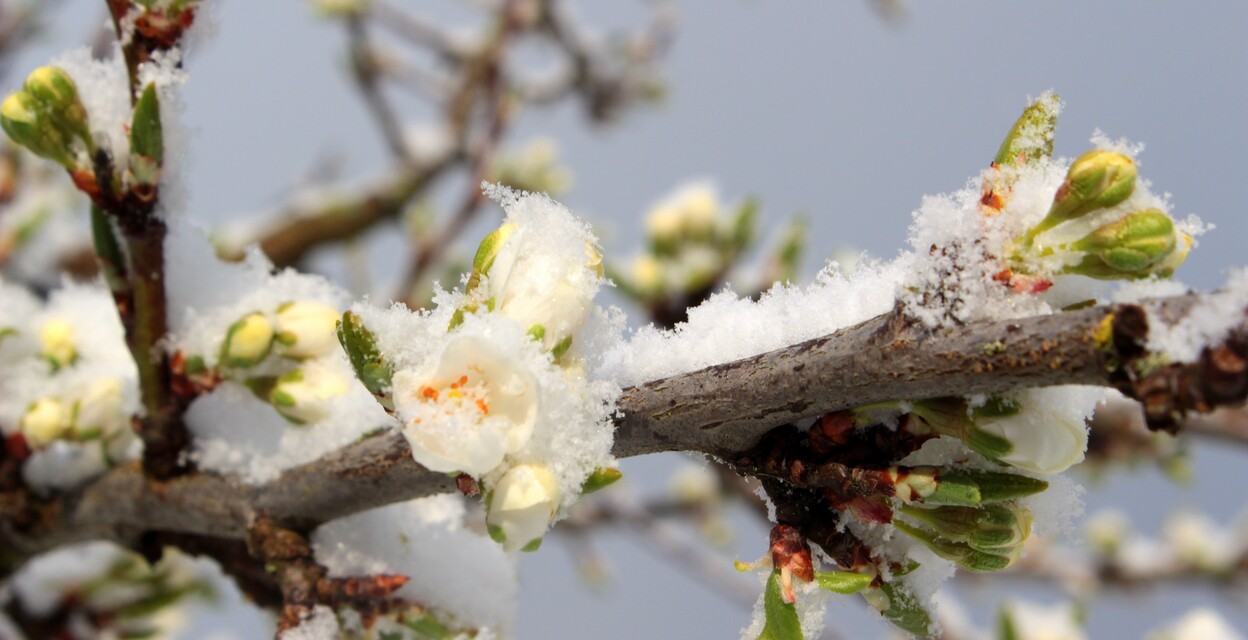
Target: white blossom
101, 410
303, 395
477, 404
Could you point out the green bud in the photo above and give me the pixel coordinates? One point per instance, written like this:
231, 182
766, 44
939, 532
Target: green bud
1031, 137
1126, 248
989, 528
369, 365
487, 251
247, 341
1097, 179
993, 486
963, 554
27, 125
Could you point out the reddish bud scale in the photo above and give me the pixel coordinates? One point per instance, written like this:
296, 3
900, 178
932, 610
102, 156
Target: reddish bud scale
162, 30
1022, 282
467, 485
830, 431
790, 551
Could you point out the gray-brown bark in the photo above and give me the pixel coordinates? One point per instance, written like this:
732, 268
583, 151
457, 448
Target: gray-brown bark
722, 410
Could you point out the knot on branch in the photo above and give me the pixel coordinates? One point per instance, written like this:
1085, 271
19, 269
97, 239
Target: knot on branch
1169, 391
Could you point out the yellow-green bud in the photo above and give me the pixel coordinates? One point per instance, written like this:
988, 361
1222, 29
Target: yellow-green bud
57, 94
1126, 248
486, 252
519, 509
1097, 179
247, 341
56, 341
27, 125
100, 412
45, 421
306, 329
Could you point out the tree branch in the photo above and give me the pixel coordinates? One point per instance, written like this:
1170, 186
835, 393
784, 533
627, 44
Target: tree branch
721, 410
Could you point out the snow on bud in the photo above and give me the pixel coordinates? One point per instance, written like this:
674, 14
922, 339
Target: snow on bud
1098, 179
1132, 247
306, 329
1031, 137
303, 395
477, 405
521, 507
100, 411
247, 341
547, 292
46, 420
56, 342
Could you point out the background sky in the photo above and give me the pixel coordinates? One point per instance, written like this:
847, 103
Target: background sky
816, 107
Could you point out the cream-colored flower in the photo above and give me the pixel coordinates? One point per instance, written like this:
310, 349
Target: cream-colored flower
303, 395
306, 329
478, 404
521, 506
46, 420
1048, 446
690, 210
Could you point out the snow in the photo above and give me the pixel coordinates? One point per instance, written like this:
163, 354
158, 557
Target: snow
236, 432
1206, 324
453, 570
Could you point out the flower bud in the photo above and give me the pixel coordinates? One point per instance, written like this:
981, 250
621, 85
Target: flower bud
1098, 179
247, 341
27, 126
56, 340
989, 528
521, 506
57, 95
306, 329
46, 420
963, 554
303, 395
100, 411
1129, 247
1047, 447
487, 251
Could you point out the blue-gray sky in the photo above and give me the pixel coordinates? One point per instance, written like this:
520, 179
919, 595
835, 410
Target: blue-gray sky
816, 107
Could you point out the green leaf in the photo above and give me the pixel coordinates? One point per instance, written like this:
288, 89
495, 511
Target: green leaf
146, 135
995, 486
104, 237
428, 626
900, 607
843, 582
369, 365
744, 223
782, 622
601, 478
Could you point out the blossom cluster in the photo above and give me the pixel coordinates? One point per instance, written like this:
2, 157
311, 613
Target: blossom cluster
68, 387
